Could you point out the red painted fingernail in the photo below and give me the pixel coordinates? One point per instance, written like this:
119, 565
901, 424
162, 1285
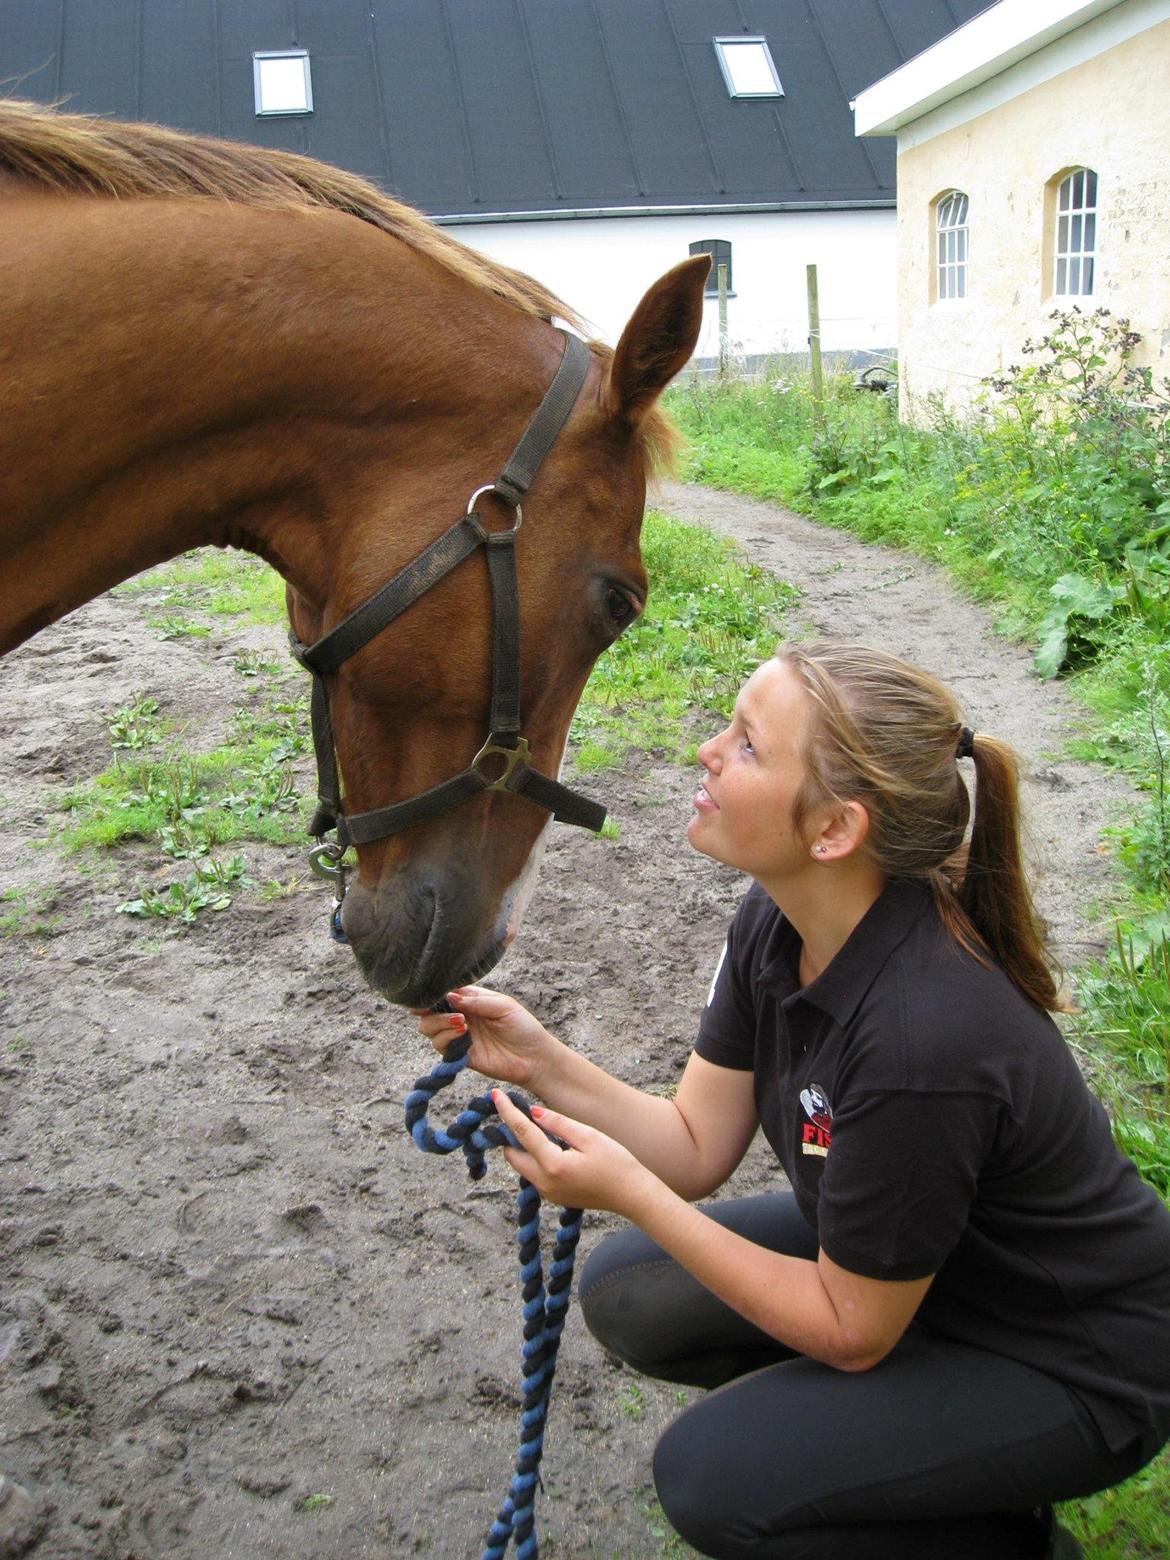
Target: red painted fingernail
539, 1110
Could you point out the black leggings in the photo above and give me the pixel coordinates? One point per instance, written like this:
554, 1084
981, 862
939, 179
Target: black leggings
942, 1452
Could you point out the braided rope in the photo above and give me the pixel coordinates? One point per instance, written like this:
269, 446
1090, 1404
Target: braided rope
545, 1307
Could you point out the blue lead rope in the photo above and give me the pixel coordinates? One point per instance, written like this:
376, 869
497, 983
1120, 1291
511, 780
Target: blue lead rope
545, 1306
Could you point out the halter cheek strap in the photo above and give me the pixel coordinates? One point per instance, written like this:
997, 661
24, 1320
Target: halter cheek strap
502, 762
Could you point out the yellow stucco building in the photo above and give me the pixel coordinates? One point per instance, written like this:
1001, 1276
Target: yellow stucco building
1033, 175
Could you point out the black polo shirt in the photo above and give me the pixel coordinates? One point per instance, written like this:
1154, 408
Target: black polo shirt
931, 1120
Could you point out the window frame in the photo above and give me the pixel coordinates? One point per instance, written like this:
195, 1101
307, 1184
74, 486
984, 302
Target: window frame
259, 58
712, 246
1079, 219
725, 67
952, 248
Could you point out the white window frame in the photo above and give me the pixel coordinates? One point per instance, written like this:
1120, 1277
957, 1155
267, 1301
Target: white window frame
739, 40
1074, 235
951, 246
259, 59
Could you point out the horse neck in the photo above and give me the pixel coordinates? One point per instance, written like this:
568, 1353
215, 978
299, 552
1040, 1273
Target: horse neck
187, 373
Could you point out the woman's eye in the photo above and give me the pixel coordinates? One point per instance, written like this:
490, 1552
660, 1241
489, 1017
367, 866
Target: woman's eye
620, 608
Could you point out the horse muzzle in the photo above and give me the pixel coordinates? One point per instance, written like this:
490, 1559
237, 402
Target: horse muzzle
421, 933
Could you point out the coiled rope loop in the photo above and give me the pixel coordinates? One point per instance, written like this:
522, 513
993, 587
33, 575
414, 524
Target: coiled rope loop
545, 1306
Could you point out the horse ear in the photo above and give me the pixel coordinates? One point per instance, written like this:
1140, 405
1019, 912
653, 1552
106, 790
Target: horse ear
657, 341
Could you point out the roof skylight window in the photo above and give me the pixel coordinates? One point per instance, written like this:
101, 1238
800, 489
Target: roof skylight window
747, 67
282, 81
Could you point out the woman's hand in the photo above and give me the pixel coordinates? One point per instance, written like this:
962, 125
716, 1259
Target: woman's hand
507, 1042
592, 1172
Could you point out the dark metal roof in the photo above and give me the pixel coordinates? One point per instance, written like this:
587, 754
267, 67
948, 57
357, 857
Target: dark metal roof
504, 107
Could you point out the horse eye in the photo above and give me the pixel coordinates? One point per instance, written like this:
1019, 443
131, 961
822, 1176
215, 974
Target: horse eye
620, 608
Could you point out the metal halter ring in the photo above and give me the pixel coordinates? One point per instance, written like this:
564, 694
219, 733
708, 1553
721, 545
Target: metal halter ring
513, 758
325, 861
490, 487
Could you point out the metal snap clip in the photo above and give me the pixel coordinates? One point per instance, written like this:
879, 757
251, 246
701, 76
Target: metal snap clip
325, 861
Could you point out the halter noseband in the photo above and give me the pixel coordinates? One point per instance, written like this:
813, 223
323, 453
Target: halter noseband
505, 751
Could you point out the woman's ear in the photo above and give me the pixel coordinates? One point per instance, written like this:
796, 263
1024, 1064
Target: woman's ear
843, 831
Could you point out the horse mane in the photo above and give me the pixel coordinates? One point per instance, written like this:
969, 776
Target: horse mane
76, 154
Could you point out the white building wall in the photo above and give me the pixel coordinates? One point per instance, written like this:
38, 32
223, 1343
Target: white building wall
601, 267
1110, 113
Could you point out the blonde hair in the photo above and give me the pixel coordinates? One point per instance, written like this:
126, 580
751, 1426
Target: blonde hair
886, 734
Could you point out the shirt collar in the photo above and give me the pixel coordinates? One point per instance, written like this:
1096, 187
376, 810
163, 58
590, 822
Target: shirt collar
839, 988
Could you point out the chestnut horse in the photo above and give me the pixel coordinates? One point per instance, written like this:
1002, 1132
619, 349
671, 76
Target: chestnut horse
205, 342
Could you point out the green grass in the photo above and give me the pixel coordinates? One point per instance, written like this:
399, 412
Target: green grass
314, 1503
186, 802
207, 886
1123, 1031
29, 914
711, 618
217, 583
1131, 1521
191, 802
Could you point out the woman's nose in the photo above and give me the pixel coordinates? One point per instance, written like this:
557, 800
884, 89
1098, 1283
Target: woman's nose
709, 752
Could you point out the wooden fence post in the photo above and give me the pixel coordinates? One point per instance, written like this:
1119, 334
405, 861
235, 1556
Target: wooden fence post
724, 344
814, 345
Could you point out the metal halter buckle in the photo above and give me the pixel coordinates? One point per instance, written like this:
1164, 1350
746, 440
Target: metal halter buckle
514, 758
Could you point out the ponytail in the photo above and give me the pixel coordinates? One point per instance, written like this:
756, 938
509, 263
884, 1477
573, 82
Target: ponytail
993, 891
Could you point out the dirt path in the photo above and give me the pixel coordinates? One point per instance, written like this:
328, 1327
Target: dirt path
230, 1284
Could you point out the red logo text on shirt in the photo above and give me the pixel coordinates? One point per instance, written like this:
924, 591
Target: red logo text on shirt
817, 1132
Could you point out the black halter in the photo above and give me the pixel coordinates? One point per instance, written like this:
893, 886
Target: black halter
502, 763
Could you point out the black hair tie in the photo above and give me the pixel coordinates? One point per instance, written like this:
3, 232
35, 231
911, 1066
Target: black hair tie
966, 747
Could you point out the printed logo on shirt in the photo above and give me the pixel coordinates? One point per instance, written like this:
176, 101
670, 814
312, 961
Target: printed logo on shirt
715, 977
817, 1132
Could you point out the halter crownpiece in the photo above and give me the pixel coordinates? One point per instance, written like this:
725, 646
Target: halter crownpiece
502, 762
966, 747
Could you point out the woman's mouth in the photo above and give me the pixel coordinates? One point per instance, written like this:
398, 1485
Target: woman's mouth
704, 802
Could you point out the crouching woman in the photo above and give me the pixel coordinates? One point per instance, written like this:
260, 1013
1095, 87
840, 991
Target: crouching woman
960, 1313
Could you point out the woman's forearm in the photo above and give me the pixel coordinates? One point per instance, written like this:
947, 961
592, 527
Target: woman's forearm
782, 1295
649, 1125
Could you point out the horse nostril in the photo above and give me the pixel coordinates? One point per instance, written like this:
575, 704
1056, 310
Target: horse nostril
435, 924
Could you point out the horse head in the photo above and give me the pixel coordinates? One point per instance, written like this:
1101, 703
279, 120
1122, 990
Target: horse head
436, 902
303, 367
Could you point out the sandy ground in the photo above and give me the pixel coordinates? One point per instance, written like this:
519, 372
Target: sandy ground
230, 1282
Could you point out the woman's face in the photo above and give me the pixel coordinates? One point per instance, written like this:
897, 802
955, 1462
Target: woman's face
754, 770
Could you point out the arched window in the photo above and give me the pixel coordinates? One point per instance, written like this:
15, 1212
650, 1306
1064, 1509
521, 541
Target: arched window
951, 246
1075, 238
720, 251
